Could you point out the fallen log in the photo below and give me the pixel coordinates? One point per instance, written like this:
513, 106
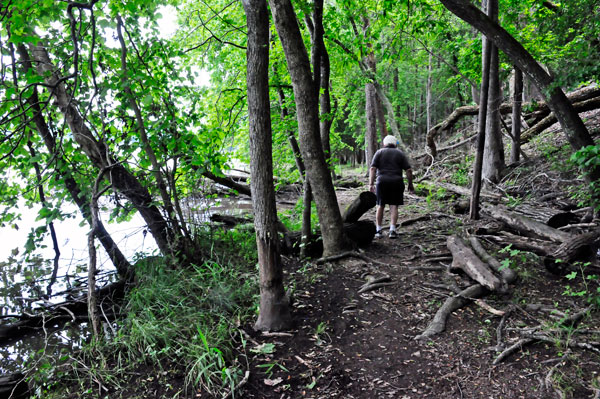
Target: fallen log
229, 220
507, 274
583, 98
582, 247
361, 233
549, 216
538, 247
525, 225
13, 386
465, 259
587, 105
57, 313
576, 96
438, 324
466, 191
361, 204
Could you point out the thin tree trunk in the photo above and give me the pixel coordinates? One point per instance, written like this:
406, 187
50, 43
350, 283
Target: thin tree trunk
97, 152
428, 94
483, 103
40, 181
274, 310
124, 268
334, 240
371, 119
493, 153
156, 172
516, 116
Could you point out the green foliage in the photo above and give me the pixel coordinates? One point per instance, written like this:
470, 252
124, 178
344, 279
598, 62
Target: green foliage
588, 159
517, 260
588, 284
186, 316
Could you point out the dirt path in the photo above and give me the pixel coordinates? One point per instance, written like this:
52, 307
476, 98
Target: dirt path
351, 345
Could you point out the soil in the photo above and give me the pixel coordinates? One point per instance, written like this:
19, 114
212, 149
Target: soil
351, 345
347, 344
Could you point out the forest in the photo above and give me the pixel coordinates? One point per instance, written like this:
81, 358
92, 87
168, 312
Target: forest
240, 135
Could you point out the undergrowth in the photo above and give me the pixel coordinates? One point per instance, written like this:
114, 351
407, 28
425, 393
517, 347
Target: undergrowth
173, 321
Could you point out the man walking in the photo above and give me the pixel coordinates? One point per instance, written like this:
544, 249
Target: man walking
388, 164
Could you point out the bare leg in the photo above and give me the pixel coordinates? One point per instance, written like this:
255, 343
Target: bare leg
393, 216
379, 215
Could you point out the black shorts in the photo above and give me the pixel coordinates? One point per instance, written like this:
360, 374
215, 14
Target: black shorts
391, 193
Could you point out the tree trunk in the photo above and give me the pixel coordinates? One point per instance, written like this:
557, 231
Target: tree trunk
307, 107
274, 311
96, 151
428, 94
516, 116
483, 103
493, 154
571, 123
371, 118
124, 268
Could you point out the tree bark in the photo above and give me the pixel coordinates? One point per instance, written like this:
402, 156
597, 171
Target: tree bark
483, 104
571, 123
493, 154
526, 225
515, 150
274, 311
307, 107
371, 118
124, 268
465, 259
96, 151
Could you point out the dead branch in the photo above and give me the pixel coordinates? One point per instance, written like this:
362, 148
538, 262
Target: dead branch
438, 324
373, 286
465, 259
507, 274
512, 349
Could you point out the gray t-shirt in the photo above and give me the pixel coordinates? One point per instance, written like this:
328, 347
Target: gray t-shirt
390, 162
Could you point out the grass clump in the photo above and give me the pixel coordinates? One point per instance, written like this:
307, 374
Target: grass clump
187, 317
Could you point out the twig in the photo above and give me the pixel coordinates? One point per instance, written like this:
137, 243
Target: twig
371, 287
512, 349
239, 385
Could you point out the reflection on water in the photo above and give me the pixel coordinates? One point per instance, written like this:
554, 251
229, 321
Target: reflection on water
24, 278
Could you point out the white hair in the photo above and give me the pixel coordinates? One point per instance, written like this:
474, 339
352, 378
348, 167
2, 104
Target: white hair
390, 140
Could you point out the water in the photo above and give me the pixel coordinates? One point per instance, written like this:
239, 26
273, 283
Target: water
25, 279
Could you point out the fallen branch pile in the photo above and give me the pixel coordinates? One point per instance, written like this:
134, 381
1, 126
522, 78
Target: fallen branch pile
470, 257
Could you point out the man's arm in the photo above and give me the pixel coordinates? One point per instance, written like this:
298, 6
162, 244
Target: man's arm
409, 179
372, 173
